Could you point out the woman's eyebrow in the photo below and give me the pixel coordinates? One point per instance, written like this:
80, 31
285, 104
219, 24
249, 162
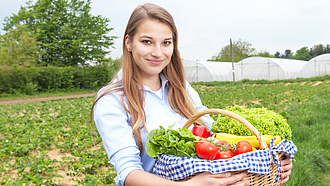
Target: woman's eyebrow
149, 37
146, 37
170, 38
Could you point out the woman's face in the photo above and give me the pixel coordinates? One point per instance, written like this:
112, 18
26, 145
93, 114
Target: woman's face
151, 47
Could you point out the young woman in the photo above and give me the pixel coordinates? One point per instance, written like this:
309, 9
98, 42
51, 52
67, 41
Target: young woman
150, 90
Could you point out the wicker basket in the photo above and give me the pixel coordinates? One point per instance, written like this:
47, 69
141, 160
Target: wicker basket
254, 178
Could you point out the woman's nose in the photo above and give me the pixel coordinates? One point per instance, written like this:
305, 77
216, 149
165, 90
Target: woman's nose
156, 51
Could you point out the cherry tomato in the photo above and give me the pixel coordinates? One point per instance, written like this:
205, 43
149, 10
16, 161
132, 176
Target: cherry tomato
224, 154
206, 150
200, 131
242, 147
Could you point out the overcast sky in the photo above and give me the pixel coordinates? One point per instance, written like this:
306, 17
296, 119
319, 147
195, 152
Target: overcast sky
207, 26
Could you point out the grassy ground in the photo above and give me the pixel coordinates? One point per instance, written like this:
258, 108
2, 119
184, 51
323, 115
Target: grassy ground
310, 122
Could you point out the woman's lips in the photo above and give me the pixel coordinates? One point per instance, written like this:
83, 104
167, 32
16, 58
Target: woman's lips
155, 61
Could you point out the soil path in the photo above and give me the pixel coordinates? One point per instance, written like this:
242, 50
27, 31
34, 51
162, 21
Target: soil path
27, 100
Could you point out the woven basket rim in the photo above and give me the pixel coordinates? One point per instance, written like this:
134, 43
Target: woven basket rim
247, 124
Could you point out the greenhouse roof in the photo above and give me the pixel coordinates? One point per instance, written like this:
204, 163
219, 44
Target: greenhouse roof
207, 71
318, 66
321, 57
217, 67
268, 68
287, 65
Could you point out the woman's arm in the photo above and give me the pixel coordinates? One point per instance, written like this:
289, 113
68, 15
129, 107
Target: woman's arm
138, 177
112, 123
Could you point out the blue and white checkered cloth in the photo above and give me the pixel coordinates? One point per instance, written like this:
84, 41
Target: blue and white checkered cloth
259, 161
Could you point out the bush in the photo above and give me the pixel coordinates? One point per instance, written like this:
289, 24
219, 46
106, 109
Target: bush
55, 78
31, 80
18, 80
93, 78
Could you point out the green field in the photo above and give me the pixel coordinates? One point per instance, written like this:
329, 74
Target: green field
52, 143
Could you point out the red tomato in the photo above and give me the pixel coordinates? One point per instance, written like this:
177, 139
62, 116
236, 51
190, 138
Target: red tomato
222, 142
224, 145
224, 154
242, 147
200, 131
206, 150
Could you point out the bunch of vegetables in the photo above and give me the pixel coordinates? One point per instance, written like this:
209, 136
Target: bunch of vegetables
195, 143
230, 138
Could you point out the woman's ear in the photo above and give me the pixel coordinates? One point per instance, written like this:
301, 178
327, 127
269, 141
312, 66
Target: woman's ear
127, 43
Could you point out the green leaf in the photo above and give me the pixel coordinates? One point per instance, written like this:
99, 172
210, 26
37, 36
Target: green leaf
151, 150
172, 142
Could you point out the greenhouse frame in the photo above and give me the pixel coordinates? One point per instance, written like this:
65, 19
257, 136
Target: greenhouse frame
318, 66
257, 68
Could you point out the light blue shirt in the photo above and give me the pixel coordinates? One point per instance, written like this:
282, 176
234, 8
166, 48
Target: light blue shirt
113, 125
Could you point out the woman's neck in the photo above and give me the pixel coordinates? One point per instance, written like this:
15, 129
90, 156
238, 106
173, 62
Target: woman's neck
153, 83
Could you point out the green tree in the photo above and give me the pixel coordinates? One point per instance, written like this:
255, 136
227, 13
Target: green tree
287, 54
19, 47
317, 50
264, 54
241, 50
302, 54
68, 34
277, 54
327, 49
113, 64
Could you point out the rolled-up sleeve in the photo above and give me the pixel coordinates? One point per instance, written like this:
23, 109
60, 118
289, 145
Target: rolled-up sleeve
112, 123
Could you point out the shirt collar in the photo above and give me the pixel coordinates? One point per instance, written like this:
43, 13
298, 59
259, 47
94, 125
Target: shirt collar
164, 79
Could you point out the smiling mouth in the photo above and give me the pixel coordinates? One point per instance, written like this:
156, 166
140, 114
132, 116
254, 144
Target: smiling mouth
155, 62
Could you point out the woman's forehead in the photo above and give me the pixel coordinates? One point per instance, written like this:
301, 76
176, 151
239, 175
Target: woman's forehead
152, 28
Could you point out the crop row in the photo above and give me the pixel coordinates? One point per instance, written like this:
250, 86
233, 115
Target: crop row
31, 131
276, 96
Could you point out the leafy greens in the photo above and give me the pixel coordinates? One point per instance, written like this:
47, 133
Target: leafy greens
173, 142
267, 122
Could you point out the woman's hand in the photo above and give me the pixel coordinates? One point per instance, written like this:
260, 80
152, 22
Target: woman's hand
222, 179
286, 169
139, 177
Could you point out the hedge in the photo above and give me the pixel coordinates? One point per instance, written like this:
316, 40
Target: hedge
30, 80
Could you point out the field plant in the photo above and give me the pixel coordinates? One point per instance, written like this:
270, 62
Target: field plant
274, 95
52, 142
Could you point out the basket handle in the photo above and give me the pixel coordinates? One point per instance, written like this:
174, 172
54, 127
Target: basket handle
233, 115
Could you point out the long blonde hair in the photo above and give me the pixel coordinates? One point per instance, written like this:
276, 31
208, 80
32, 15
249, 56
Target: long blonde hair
132, 96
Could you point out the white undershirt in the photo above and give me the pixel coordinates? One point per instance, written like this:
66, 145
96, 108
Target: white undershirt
159, 93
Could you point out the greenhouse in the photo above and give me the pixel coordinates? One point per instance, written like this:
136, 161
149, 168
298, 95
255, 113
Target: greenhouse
257, 68
318, 66
197, 71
